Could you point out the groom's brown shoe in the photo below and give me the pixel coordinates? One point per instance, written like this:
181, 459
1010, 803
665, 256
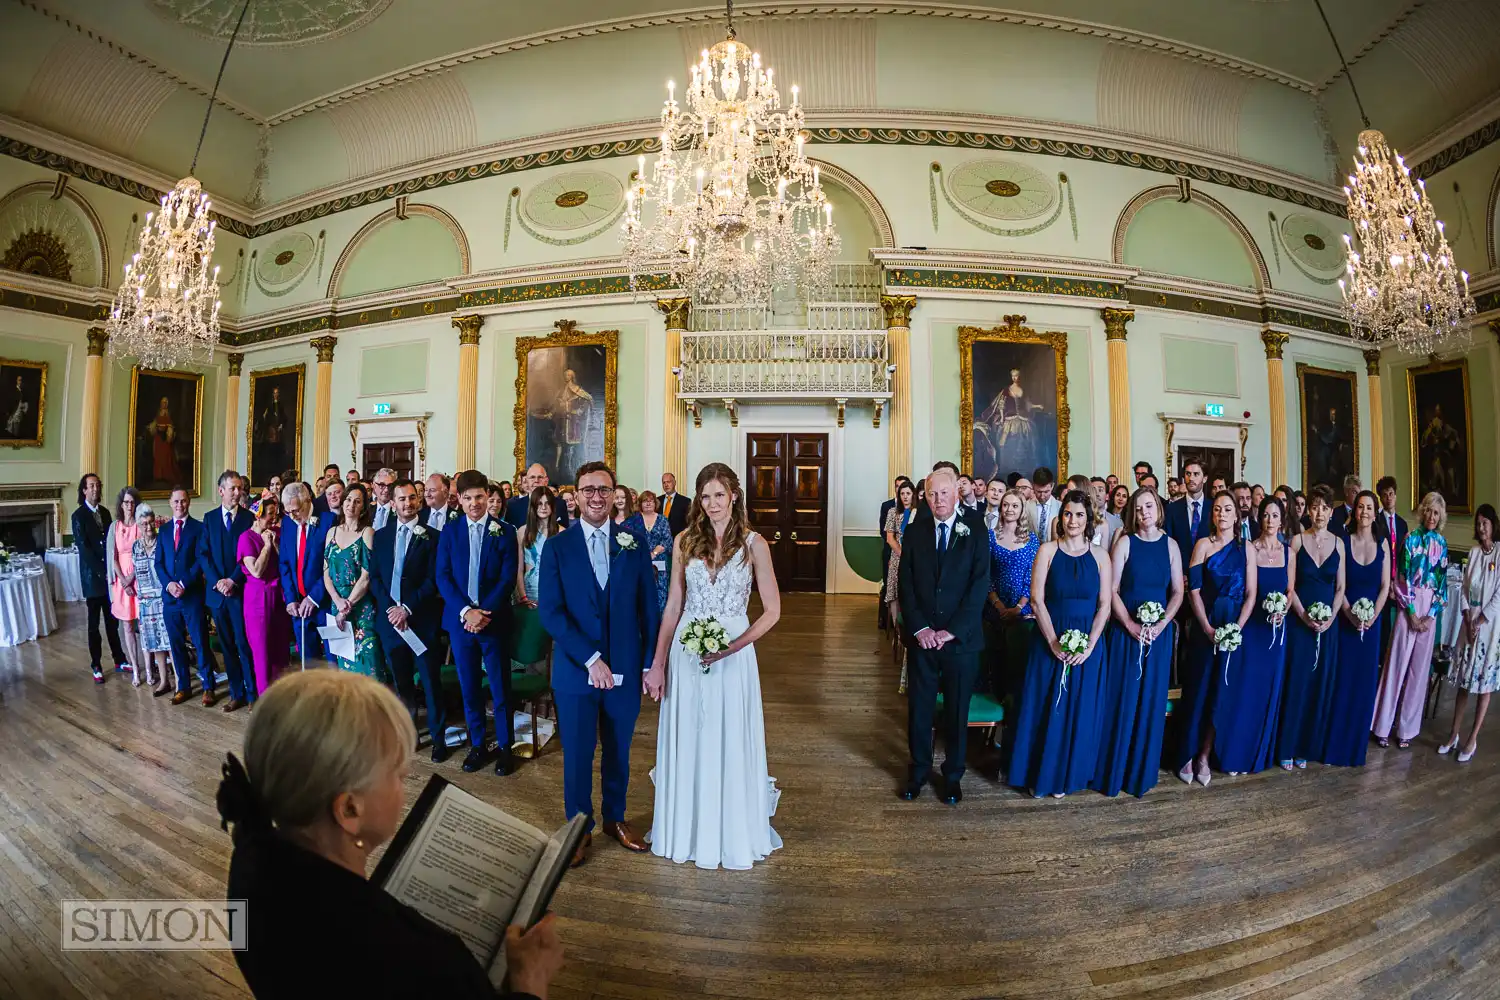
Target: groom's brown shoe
622, 832
582, 854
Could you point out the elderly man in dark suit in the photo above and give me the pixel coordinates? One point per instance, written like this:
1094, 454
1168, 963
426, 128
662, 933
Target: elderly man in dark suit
90, 527
224, 585
403, 582
945, 574
674, 506
180, 571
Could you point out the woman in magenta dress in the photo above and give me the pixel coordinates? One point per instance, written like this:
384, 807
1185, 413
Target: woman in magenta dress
267, 626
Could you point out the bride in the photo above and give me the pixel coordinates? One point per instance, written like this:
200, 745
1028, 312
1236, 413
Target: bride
714, 799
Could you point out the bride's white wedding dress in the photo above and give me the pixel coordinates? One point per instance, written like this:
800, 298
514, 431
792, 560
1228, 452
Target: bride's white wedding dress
714, 799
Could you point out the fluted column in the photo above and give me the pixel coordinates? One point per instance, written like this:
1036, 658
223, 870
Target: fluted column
1119, 388
468, 390
232, 410
674, 414
93, 401
1275, 341
1377, 417
323, 396
898, 344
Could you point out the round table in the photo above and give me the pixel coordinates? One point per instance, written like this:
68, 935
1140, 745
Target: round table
26, 609
62, 572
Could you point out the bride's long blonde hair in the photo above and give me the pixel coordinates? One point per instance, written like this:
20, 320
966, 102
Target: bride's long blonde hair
698, 540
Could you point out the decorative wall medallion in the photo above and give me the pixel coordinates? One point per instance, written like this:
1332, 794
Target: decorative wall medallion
571, 201
1002, 189
50, 238
1313, 246
286, 259
272, 22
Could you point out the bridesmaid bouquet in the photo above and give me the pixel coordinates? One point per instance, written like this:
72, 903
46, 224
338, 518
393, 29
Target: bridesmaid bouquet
705, 635
1364, 610
1319, 612
1227, 639
1275, 604
1074, 643
1150, 613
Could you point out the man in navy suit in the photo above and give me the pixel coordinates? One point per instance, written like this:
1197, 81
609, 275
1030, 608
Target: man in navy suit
598, 602
518, 505
1343, 514
476, 574
224, 582
300, 558
90, 532
404, 586
181, 573
1391, 528
1188, 516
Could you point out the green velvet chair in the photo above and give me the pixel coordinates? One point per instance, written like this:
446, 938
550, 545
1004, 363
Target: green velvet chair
984, 712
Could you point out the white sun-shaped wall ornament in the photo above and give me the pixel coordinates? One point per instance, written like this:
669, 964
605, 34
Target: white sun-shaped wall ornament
1313, 246
1002, 189
272, 22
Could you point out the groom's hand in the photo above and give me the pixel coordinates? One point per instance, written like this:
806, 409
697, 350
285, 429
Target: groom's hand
600, 676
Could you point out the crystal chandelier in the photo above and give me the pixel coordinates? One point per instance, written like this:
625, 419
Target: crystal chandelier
166, 310
1403, 285
735, 209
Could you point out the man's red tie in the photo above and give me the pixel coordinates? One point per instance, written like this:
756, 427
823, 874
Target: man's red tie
177, 534
301, 559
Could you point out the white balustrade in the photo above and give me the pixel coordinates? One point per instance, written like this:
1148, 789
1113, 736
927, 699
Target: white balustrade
783, 364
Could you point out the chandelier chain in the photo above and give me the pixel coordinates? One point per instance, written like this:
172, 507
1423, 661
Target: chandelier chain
202, 133
1347, 74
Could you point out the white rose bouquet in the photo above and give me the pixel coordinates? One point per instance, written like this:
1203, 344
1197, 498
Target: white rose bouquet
1149, 614
1227, 638
1073, 642
1276, 606
1364, 611
705, 635
1318, 612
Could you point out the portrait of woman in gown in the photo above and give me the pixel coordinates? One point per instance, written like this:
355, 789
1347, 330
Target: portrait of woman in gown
162, 433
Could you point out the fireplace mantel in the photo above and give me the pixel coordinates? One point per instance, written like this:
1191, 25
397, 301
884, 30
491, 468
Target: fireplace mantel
40, 499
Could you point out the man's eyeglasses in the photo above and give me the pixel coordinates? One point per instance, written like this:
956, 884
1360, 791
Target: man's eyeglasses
597, 491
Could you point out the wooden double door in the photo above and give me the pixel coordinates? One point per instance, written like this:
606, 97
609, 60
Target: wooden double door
786, 495
398, 455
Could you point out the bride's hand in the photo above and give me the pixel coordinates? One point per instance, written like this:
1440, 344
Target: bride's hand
654, 681
709, 659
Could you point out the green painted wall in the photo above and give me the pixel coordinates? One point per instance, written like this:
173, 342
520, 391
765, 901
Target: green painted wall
1186, 239
387, 371
410, 252
1203, 367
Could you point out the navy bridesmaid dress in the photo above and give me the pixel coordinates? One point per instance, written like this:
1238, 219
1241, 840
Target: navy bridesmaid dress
1250, 701
1057, 728
1356, 675
1221, 578
1133, 710
1310, 665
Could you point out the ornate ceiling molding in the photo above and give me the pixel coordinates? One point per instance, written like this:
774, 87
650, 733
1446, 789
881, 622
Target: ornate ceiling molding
87, 210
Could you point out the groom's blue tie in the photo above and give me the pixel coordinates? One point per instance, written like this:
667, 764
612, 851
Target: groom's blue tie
942, 538
598, 558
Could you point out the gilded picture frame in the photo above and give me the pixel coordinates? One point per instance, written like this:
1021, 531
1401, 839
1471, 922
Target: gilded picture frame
563, 437
156, 432
1442, 448
1330, 445
1030, 354
280, 390
23, 403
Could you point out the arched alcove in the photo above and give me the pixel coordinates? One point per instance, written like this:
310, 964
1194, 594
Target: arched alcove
53, 234
861, 220
1194, 238
390, 251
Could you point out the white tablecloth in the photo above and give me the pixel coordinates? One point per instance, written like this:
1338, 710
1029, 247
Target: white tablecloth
62, 572
1452, 616
26, 609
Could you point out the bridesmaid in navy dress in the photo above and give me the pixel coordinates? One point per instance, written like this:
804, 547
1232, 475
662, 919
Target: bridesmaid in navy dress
1057, 728
1356, 678
1247, 706
1317, 577
1222, 588
1148, 567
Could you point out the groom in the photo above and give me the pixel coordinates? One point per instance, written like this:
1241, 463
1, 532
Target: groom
598, 602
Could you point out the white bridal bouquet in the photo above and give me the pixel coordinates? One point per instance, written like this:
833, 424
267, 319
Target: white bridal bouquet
705, 635
1073, 643
1319, 612
1364, 610
1276, 603
1227, 639
1148, 614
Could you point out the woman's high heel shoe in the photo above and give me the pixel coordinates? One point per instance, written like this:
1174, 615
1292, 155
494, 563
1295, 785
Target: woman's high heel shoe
1203, 774
1186, 774
1464, 756
1447, 748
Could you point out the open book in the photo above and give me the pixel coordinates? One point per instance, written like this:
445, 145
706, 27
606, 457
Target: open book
473, 869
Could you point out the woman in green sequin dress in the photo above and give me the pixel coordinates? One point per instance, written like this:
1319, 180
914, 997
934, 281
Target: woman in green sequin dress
346, 575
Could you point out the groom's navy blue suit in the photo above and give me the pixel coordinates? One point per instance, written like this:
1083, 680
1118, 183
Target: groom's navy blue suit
616, 623
488, 649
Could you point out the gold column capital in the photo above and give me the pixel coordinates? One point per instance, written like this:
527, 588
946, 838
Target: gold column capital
1275, 341
324, 346
898, 309
468, 329
236, 362
1494, 325
676, 312
98, 341
1114, 322
1372, 362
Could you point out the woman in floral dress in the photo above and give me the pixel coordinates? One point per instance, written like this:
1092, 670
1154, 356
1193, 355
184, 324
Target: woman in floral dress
1477, 666
1421, 585
346, 575
156, 651
659, 538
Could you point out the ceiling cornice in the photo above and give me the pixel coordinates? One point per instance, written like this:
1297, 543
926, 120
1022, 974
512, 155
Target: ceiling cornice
120, 50
1471, 122
692, 15
1371, 45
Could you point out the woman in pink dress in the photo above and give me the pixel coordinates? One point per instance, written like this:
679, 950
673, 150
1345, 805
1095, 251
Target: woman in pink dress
120, 571
267, 627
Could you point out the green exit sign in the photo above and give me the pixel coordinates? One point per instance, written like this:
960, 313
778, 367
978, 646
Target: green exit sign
1213, 409
384, 409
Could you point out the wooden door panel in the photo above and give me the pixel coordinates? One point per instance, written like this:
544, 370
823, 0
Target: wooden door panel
786, 495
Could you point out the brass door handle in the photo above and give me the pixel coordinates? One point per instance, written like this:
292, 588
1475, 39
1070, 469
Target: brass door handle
794, 536
778, 537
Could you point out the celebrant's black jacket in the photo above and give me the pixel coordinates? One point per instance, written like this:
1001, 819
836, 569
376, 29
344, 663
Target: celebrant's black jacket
945, 591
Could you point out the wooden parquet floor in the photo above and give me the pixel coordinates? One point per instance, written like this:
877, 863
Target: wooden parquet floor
1378, 882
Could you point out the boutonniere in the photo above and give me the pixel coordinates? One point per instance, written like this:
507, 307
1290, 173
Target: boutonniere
495, 528
960, 529
625, 541
453, 515
419, 532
